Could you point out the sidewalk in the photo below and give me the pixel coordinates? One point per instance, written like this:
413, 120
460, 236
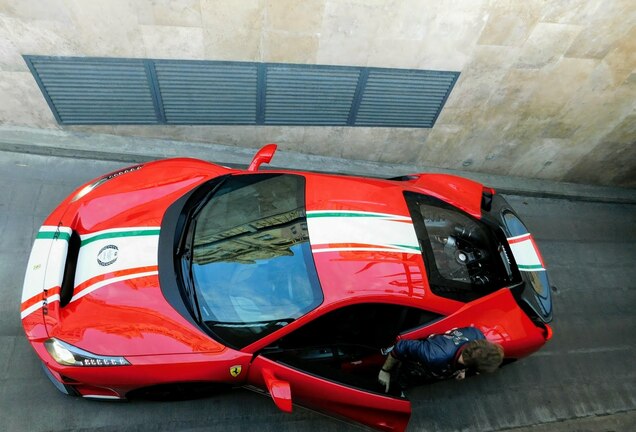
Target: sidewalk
135, 150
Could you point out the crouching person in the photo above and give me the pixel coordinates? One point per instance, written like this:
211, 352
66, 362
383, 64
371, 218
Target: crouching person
453, 354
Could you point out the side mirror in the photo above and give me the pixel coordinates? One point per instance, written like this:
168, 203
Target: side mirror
264, 155
279, 390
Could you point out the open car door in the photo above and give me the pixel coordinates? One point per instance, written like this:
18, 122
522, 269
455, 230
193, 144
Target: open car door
287, 384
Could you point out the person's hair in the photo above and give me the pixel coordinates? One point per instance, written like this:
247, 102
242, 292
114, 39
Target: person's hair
482, 355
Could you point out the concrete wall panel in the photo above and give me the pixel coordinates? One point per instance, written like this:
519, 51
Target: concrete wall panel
547, 88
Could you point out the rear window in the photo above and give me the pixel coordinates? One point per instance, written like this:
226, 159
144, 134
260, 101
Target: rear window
465, 258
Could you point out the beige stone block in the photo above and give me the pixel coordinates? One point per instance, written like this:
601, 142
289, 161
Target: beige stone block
482, 76
107, 28
10, 58
239, 46
50, 10
323, 140
407, 19
559, 129
179, 13
427, 35
288, 138
445, 146
452, 35
244, 17
612, 161
97, 129
482, 148
547, 44
443, 55
556, 85
404, 145
523, 130
489, 59
609, 24
374, 3
240, 136
357, 20
233, 30
509, 22
300, 17
571, 11
38, 37
598, 112
621, 60
287, 47
364, 143
338, 49
446, 116
468, 117
22, 102
397, 53
538, 158
512, 96
166, 42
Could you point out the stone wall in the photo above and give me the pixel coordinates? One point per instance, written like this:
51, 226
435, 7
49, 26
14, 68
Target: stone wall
547, 88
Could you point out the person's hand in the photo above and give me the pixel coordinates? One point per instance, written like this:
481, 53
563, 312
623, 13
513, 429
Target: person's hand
384, 378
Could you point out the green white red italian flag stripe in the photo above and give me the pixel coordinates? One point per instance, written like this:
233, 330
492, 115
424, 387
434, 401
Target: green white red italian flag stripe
358, 231
136, 257
526, 253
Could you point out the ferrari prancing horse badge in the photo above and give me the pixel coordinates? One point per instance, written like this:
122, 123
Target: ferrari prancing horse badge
235, 370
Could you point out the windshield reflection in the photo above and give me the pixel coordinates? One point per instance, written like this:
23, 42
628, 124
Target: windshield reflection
251, 260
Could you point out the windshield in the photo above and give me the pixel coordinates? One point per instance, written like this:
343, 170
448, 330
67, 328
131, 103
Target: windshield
250, 261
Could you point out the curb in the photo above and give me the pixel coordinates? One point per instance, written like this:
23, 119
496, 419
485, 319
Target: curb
133, 150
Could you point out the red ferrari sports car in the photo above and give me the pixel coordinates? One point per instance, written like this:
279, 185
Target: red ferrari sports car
183, 272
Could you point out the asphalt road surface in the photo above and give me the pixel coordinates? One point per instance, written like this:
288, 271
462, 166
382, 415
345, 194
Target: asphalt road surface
583, 380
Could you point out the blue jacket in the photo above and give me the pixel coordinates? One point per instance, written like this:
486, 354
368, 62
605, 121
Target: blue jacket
438, 353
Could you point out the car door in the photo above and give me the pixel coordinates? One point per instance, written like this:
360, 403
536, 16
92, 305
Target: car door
379, 411
331, 364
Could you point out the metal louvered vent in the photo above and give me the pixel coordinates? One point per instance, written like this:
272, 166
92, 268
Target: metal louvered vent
91, 91
207, 92
396, 98
309, 96
144, 91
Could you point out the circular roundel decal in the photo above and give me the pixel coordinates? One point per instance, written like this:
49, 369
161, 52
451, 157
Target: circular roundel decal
107, 255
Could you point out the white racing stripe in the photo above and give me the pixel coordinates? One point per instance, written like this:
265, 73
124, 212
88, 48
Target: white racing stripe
377, 232
37, 277
136, 247
133, 251
526, 253
100, 284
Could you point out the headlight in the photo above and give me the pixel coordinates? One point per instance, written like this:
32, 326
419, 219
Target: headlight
68, 355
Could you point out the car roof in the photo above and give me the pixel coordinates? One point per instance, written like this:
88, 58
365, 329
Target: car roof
363, 240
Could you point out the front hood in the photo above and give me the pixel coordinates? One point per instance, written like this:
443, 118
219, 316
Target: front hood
115, 305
